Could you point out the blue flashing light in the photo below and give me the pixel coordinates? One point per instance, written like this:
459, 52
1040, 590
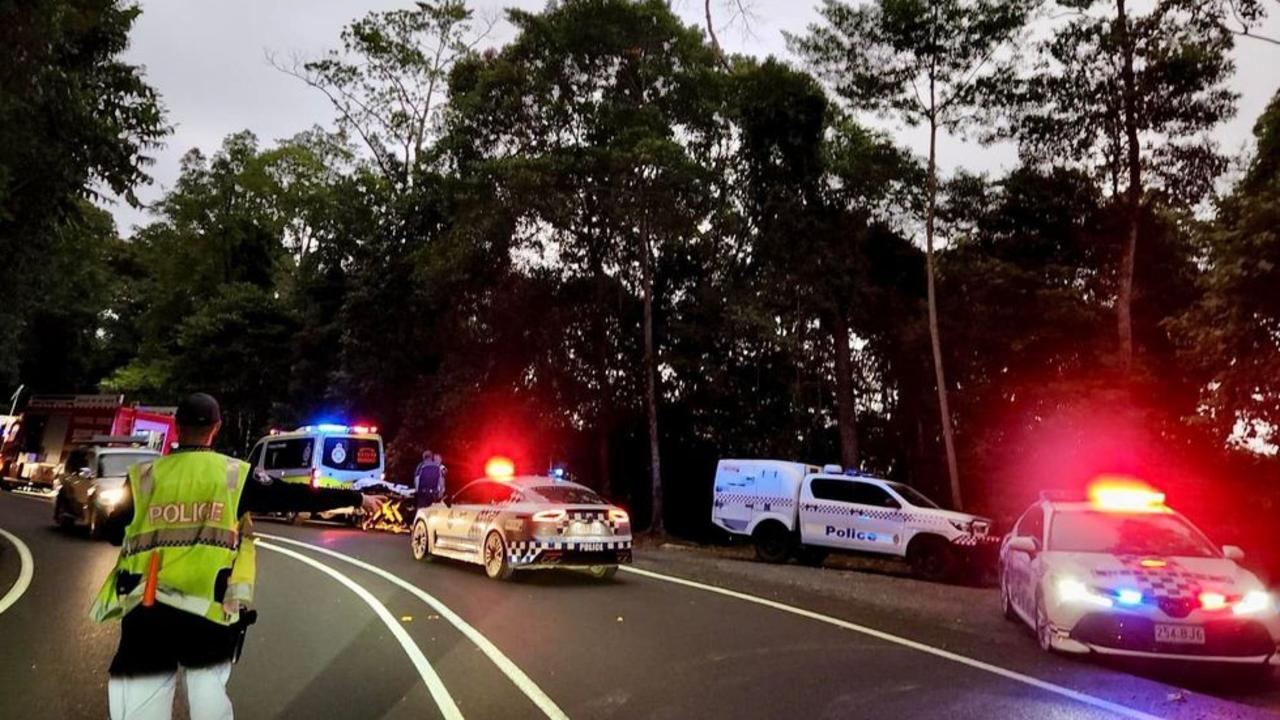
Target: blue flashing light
325, 427
1129, 596
557, 473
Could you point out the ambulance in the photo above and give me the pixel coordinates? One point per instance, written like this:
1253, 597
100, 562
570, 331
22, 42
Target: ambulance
794, 509
325, 455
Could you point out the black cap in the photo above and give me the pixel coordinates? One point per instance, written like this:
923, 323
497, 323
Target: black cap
198, 410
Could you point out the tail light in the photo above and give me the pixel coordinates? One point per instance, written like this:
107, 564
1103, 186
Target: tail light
315, 477
618, 515
550, 516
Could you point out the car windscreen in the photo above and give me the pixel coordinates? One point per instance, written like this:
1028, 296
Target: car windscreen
117, 464
912, 495
351, 453
288, 454
1127, 534
568, 494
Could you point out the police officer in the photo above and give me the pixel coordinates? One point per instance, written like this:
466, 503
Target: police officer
186, 569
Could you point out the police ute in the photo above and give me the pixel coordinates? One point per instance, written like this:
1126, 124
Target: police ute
505, 523
793, 509
1120, 573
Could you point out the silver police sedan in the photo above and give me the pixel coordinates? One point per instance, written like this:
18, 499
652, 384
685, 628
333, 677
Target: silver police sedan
526, 522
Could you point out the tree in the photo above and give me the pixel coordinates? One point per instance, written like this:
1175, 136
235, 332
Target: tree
73, 118
593, 122
944, 63
1131, 98
1231, 332
388, 82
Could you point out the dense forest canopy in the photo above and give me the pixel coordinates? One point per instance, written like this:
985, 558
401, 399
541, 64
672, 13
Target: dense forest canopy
607, 244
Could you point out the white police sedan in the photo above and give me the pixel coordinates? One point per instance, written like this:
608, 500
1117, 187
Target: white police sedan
508, 523
1123, 574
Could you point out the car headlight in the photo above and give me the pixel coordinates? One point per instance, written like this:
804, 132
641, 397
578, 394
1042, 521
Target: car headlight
1071, 590
110, 496
964, 526
1254, 602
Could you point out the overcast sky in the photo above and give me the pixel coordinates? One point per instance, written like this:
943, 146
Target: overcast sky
207, 60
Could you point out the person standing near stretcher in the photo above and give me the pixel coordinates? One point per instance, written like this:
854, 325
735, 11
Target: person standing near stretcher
186, 568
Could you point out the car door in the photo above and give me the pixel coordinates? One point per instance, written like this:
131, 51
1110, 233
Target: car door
455, 532
1019, 567
851, 514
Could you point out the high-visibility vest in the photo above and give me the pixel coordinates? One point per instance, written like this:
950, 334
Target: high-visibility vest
184, 540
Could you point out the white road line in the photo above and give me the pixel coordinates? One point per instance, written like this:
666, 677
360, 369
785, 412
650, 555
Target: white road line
435, 686
1096, 702
508, 668
24, 572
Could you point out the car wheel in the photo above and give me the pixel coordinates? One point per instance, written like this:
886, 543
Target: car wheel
603, 572
496, 563
931, 558
95, 524
60, 516
1006, 601
772, 541
297, 518
1044, 635
419, 542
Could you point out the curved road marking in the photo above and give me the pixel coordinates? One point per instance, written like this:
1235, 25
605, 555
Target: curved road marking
24, 572
434, 685
1096, 702
510, 669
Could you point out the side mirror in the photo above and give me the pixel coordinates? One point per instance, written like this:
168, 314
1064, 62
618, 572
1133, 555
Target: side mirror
85, 473
1024, 544
1233, 552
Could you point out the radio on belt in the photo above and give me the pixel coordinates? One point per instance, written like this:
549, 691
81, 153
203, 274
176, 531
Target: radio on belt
802, 510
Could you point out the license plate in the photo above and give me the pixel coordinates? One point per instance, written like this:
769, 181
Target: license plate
591, 547
1182, 634
585, 528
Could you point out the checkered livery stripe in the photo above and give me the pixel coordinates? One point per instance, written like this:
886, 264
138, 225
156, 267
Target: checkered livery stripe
523, 552
1170, 581
764, 503
590, 516
976, 540
874, 514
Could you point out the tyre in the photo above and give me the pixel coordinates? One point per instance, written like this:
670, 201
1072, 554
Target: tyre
1044, 635
60, 516
419, 542
813, 557
772, 541
1006, 601
297, 518
932, 558
496, 563
603, 572
96, 522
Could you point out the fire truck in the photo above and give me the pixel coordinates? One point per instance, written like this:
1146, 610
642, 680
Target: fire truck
36, 442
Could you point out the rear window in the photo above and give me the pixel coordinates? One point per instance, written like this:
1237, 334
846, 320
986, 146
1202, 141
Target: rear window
350, 453
118, 464
288, 454
568, 494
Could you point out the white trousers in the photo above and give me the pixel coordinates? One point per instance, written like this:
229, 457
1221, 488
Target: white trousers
150, 697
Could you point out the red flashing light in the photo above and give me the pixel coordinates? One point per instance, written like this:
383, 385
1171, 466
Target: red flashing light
1123, 494
1213, 601
499, 468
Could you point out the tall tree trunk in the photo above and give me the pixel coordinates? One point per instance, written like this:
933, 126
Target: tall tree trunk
948, 436
604, 419
651, 384
846, 402
1124, 295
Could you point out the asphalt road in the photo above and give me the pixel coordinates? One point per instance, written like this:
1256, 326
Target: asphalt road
370, 633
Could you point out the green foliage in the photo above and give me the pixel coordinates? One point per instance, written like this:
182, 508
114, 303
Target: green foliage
73, 118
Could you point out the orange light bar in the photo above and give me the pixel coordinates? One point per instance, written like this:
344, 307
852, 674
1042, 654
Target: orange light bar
499, 468
1213, 601
1152, 563
1125, 494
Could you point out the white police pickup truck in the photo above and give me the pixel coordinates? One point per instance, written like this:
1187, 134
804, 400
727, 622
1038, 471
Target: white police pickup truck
790, 508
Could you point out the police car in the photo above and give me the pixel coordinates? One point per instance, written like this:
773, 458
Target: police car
790, 508
507, 523
323, 455
1120, 573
